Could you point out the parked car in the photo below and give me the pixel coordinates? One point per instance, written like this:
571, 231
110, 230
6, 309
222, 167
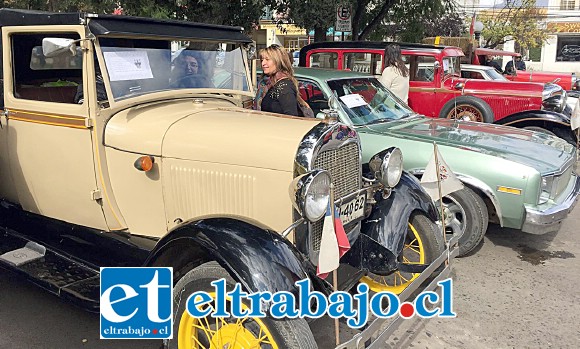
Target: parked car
568, 81
295, 58
483, 72
517, 178
114, 165
474, 71
438, 90
476, 55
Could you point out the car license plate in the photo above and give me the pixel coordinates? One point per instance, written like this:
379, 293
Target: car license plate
353, 209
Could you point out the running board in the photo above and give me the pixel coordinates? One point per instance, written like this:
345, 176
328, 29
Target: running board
53, 271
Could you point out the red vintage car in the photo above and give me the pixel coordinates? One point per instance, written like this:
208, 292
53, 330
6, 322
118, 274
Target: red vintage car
568, 81
437, 89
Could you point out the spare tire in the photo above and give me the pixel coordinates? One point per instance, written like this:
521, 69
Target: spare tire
467, 108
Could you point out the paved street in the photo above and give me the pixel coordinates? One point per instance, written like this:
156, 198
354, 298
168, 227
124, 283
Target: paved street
516, 291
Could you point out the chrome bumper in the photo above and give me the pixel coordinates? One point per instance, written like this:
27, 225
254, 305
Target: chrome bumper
376, 334
549, 220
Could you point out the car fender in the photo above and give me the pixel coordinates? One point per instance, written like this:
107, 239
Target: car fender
531, 116
557, 123
255, 256
388, 221
476, 184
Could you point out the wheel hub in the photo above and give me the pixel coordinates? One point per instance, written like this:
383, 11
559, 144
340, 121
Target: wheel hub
465, 113
234, 336
453, 217
447, 215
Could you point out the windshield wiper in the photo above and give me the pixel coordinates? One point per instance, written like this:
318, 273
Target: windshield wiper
378, 121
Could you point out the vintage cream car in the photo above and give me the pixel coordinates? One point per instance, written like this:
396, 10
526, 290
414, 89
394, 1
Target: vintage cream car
113, 153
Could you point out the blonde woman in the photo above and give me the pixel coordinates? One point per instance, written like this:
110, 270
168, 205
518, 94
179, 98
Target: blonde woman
278, 89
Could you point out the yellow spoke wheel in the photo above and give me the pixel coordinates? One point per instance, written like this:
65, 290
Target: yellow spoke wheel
424, 242
229, 333
218, 333
413, 253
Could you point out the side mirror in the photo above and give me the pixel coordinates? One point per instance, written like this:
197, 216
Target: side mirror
333, 103
52, 47
436, 66
459, 86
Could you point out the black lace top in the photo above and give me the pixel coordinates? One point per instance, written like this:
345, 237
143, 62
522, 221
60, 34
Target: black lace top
281, 98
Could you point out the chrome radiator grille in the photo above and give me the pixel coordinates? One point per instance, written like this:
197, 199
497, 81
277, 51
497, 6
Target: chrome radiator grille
561, 182
344, 168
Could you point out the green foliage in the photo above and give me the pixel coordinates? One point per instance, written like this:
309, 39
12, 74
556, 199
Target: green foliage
372, 19
411, 22
244, 13
377, 19
105, 6
518, 20
308, 14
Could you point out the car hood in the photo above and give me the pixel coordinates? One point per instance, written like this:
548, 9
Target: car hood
498, 87
562, 79
214, 131
537, 150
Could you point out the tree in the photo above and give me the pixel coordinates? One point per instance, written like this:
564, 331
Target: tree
371, 19
411, 22
244, 13
317, 15
518, 20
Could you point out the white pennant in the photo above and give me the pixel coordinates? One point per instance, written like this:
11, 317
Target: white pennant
449, 182
328, 258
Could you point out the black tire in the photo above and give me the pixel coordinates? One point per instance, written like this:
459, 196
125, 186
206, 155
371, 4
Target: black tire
424, 236
467, 108
289, 333
466, 211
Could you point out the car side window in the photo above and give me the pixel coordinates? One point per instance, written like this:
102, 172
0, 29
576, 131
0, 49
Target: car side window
421, 68
363, 62
324, 60
50, 79
313, 95
476, 75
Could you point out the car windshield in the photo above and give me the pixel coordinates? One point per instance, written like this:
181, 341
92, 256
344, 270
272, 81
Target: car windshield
140, 66
367, 101
452, 66
495, 75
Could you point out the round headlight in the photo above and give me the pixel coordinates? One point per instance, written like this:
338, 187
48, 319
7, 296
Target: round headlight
310, 194
394, 168
388, 166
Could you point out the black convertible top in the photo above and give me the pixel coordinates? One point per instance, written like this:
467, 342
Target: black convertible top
114, 25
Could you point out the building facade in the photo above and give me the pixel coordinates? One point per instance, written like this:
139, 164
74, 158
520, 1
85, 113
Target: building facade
561, 52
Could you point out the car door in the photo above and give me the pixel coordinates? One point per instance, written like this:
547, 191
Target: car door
423, 83
49, 140
311, 92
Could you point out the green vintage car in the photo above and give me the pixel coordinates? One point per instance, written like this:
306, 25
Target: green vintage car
513, 177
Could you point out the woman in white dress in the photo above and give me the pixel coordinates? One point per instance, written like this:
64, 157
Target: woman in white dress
396, 74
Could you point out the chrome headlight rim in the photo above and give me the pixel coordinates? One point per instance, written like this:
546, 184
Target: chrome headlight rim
310, 194
556, 102
387, 166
